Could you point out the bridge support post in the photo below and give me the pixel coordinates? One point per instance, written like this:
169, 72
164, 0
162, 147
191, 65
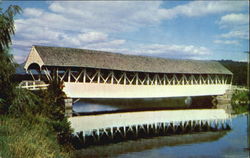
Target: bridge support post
68, 107
224, 101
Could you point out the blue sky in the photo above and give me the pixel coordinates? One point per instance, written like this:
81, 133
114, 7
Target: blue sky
204, 30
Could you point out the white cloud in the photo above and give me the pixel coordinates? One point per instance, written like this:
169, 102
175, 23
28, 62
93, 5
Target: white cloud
108, 16
19, 59
234, 19
202, 8
105, 45
189, 50
116, 16
239, 34
32, 12
93, 37
236, 24
163, 50
229, 42
59, 38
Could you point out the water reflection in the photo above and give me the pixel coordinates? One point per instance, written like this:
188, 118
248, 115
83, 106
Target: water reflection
100, 105
149, 144
90, 107
208, 144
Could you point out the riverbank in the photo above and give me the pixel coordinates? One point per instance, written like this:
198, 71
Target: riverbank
23, 137
240, 101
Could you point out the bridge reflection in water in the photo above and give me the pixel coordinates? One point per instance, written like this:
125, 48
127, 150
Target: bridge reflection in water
112, 150
102, 128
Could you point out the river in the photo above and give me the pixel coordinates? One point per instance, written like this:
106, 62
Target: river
220, 144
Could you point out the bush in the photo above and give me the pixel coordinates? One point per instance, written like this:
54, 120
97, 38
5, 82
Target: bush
240, 101
26, 104
53, 100
241, 96
7, 87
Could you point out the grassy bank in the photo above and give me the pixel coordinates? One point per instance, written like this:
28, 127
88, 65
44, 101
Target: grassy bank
26, 138
240, 101
34, 125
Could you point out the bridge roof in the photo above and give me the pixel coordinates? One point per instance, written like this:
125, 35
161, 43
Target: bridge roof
72, 57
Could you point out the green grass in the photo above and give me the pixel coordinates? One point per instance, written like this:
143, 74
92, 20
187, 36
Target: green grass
23, 138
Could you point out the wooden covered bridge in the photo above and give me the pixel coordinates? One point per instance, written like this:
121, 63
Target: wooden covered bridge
98, 74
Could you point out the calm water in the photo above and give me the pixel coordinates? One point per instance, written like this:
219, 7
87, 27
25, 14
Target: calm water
231, 145
222, 144
88, 107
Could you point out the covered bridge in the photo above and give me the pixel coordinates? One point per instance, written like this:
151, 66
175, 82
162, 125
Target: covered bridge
99, 74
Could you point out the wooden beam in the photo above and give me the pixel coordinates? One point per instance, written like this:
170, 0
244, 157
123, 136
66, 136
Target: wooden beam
84, 75
79, 75
147, 76
32, 75
136, 78
93, 77
124, 78
164, 79
98, 76
112, 77
69, 75
56, 74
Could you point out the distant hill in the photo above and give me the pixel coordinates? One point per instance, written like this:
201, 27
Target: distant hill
20, 69
239, 69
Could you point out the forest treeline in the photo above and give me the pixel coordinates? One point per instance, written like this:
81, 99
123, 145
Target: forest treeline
239, 70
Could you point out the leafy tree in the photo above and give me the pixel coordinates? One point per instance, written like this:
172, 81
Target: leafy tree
7, 65
7, 25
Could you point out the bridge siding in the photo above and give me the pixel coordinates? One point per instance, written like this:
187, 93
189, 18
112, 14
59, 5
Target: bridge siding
95, 90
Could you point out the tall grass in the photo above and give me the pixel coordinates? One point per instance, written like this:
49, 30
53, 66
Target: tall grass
23, 138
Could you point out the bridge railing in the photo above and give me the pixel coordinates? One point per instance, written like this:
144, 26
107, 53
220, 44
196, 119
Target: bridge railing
33, 85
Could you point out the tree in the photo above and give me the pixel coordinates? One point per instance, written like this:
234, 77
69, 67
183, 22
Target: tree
7, 65
7, 28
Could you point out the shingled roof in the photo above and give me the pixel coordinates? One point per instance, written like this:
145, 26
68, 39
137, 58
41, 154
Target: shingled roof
72, 57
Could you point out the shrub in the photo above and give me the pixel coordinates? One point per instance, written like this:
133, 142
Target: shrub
7, 87
26, 103
240, 101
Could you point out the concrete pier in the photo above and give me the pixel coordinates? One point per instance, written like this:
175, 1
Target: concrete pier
68, 107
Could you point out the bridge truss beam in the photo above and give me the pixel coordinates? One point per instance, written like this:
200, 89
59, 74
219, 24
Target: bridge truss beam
91, 75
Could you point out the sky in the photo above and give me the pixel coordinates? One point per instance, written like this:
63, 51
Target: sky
202, 30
